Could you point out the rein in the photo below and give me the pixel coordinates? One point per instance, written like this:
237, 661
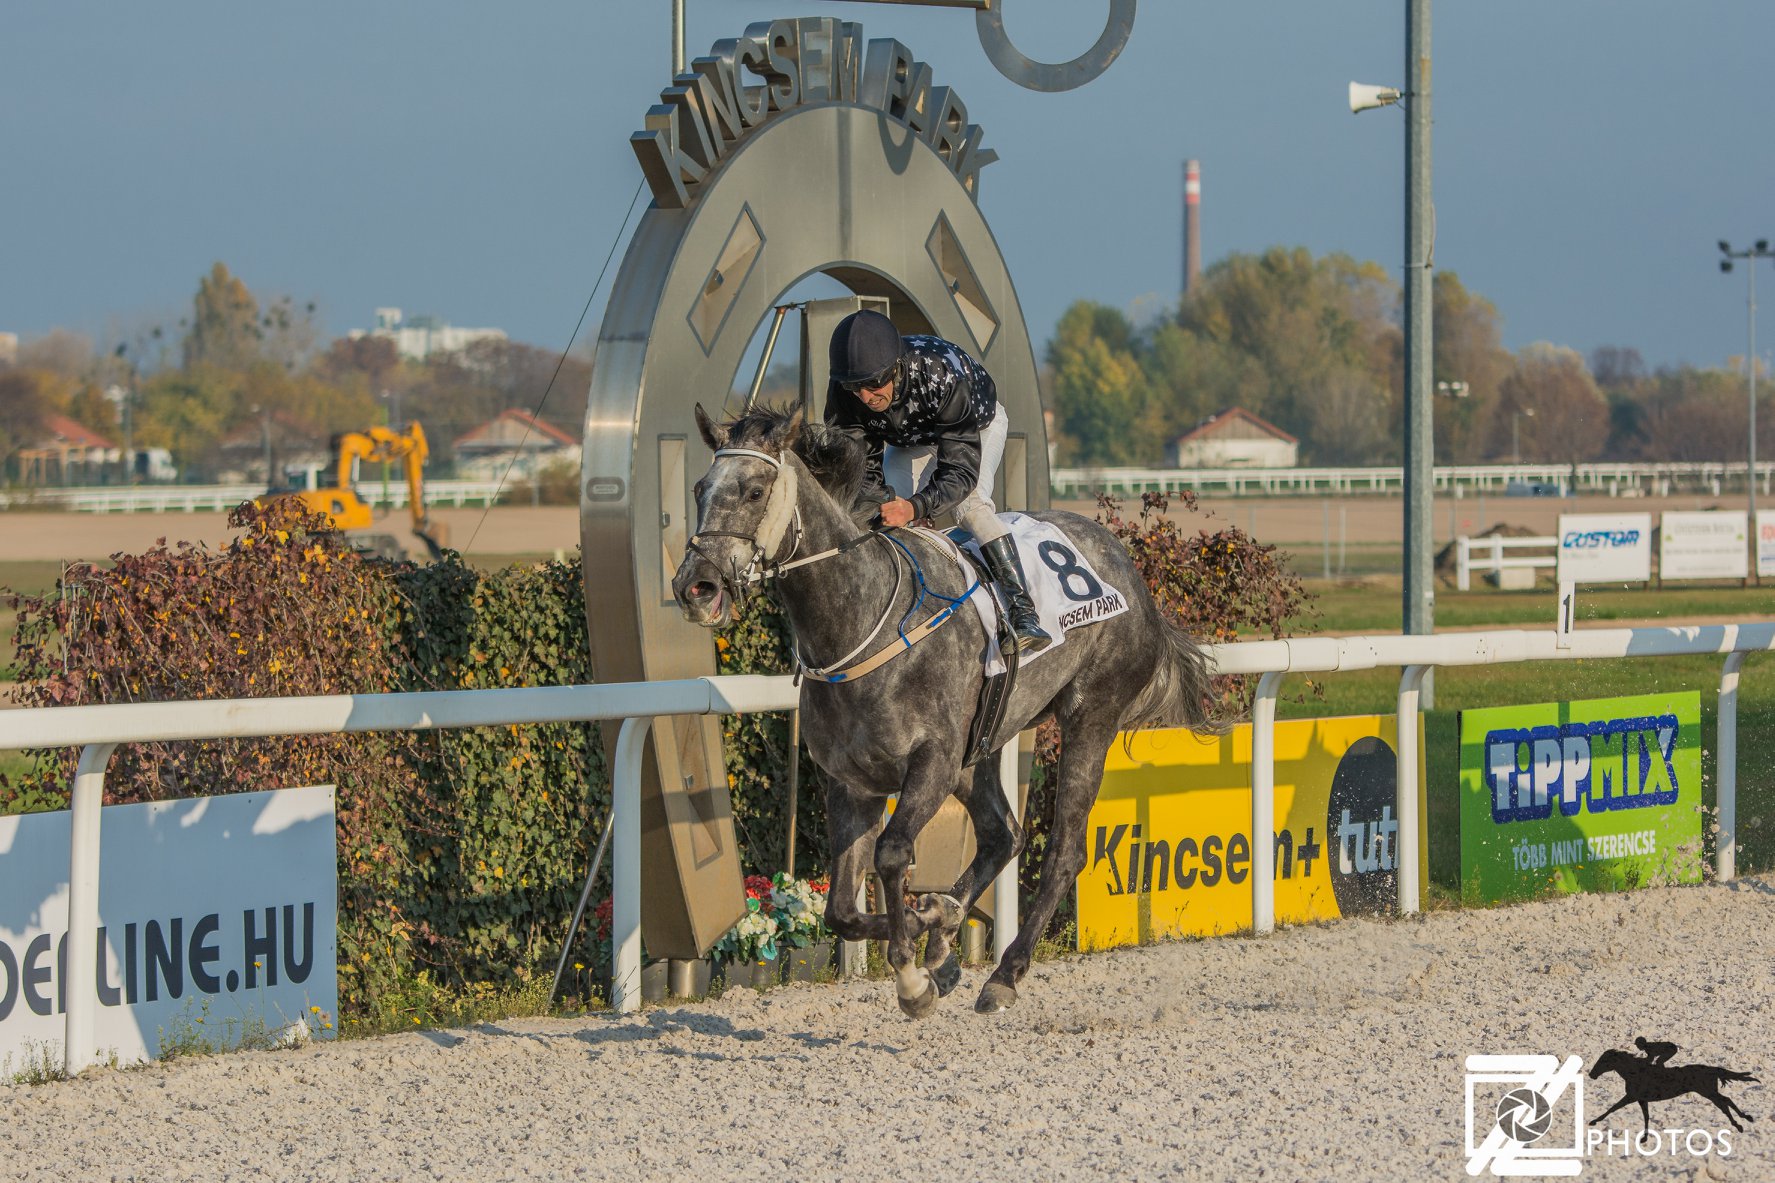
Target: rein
781, 515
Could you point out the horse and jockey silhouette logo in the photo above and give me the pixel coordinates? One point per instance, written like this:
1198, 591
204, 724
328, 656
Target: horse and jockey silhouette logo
1648, 1076
1525, 1113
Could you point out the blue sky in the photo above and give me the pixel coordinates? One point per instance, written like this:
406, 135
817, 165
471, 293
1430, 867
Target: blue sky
471, 161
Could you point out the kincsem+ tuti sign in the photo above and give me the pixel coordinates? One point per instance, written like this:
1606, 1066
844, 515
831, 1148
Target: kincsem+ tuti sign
778, 67
1603, 794
1169, 846
218, 919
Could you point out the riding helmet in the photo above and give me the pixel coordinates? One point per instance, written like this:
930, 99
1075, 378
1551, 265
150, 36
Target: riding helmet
865, 346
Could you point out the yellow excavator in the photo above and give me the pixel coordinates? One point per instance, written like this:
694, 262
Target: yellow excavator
334, 493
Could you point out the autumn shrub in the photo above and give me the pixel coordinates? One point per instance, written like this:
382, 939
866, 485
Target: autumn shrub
460, 852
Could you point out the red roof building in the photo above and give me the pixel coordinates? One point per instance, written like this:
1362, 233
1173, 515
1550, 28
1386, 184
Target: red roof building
1235, 438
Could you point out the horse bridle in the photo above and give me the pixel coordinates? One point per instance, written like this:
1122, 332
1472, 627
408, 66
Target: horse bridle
759, 566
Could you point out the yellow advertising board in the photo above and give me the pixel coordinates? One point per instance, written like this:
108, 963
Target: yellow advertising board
1169, 842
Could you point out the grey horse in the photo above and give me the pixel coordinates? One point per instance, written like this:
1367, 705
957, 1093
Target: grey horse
777, 503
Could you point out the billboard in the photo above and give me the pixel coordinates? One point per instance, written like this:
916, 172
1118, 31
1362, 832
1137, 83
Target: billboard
1605, 547
1765, 542
1710, 544
1169, 845
218, 916
1580, 796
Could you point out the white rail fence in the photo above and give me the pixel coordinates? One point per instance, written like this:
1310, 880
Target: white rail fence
218, 498
97, 730
1614, 480
1486, 555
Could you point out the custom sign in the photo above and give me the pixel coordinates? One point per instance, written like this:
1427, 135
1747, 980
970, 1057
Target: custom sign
218, 916
1605, 547
1169, 840
1765, 542
1705, 545
1578, 796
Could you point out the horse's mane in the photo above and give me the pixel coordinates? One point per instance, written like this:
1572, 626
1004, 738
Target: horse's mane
835, 460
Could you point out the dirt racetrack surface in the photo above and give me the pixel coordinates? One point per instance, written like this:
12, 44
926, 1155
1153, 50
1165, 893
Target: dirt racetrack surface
1330, 1052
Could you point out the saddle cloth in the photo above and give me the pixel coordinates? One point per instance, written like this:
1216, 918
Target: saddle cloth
1067, 591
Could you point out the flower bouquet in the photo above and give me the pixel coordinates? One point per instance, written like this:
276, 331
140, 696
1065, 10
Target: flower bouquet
748, 950
804, 942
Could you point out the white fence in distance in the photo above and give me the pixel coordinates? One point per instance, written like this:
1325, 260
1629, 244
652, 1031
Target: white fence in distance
220, 498
97, 730
1486, 555
1613, 480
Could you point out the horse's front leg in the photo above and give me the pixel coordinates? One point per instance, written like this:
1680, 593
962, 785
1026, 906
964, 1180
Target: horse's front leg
851, 824
929, 779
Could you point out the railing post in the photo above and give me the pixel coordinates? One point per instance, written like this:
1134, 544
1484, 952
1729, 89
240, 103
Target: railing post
1725, 773
1463, 564
1263, 803
625, 866
1405, 789
86, 804
1004, 888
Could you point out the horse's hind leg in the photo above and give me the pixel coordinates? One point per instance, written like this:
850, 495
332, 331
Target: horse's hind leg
1725, 1105
997, 839
1084, 744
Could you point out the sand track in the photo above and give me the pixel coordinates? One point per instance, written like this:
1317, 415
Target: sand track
1325, 1052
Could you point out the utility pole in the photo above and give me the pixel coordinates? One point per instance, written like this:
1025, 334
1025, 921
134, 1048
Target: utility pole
1750, 255
1420, 457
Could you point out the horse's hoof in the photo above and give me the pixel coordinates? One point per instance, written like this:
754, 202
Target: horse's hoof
947, 975
924, 1004
994, 997
944, 911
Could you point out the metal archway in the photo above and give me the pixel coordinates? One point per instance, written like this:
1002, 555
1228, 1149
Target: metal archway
835, 187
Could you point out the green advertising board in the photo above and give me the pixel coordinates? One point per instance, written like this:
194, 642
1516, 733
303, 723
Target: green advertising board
1580, 796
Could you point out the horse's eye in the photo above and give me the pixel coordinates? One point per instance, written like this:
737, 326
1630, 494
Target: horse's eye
755, 493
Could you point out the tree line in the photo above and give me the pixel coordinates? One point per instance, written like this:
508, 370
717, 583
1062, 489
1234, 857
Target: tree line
1315, 346
236, 369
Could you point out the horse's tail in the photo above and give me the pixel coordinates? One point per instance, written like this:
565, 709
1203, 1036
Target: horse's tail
1728, 1074
1179, 691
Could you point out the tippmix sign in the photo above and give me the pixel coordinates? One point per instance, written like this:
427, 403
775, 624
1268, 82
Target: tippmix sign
216, 915
1169, 842
1602, 794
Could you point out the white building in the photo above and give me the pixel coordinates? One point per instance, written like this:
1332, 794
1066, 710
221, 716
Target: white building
1235, 438
8, 349
421, 336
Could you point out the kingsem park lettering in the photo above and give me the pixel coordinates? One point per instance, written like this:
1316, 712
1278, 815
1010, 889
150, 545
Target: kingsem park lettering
1596, 767
712, 108
166, 959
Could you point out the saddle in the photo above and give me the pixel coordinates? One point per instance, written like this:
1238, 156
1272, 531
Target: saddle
995, 690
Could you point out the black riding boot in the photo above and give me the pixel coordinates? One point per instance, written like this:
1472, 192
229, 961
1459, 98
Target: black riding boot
1007, 571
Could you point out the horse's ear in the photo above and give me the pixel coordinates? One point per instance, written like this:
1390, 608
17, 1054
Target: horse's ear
713, 434
792, 430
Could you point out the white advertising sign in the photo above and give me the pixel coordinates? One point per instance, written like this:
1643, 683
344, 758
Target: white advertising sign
1765, 542
1605, 547
1710, 544
216, 915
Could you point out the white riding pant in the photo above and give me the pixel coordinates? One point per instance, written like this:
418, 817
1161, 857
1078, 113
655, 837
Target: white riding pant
907, 469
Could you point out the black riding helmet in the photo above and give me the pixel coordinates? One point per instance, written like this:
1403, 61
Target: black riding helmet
865, 349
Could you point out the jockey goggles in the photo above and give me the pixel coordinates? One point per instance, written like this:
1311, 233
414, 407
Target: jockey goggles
870, 382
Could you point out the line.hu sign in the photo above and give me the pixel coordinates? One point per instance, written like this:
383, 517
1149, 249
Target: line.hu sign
711, 108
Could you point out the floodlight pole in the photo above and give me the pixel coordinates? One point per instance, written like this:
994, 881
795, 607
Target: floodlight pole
1420, 454
1750, 255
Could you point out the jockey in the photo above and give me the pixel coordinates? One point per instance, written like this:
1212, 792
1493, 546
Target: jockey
929, 420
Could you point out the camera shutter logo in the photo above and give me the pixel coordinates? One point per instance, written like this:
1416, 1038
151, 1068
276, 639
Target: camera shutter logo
1524, 1115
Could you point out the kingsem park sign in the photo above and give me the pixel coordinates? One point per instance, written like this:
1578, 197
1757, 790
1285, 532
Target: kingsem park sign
778, 67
